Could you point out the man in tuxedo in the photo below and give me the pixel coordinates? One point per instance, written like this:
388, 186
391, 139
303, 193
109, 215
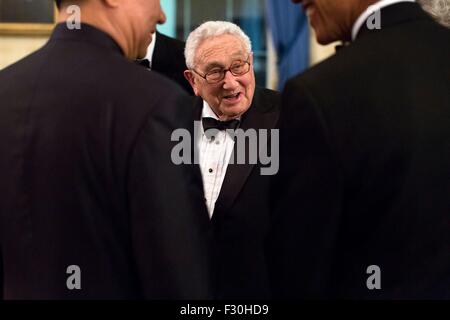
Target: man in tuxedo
91, 205
361, 201
166, 56
220, 62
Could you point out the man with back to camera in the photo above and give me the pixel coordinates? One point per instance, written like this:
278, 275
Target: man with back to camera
361, 201
91, 205
220, 61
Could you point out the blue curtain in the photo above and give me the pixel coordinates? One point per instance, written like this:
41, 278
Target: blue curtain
289, 26
170, 9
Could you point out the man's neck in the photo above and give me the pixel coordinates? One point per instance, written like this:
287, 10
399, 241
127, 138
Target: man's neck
101, 22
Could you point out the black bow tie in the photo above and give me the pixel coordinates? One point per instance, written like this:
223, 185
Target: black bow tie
211, 123
144, 62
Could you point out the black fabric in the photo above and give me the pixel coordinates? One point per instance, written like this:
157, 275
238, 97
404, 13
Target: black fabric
144, 63
168, 59
240, 218
211, 123
87, 178
364, 167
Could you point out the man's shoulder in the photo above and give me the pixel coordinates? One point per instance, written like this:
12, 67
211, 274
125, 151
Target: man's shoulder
125, 78
339, 66
104, 78
269, 93
26, 65
172, 42
168, 57
267, 100
378, 53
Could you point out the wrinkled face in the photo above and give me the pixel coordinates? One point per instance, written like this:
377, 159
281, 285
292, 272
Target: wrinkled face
231, 97
332, 20
142, 18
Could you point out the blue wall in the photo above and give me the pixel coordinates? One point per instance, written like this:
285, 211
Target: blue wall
169, 28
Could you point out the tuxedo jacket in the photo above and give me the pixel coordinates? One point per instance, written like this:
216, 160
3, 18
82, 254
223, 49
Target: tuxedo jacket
89, 197
364, 168
168, 59
240, 220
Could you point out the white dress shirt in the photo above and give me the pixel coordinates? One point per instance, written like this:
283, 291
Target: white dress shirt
214, 156
151, 50
371, 10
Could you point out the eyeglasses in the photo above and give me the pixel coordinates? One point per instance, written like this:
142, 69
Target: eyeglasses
237, 68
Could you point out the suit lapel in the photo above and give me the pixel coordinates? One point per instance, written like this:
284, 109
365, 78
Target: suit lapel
158, 54
237, 174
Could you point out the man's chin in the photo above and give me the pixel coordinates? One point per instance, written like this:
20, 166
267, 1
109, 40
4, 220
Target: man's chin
142, 53
231, 114
323, 39
326, 38
144, 47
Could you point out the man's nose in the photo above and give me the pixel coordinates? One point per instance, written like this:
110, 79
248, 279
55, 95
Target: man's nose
229, 81
162, 17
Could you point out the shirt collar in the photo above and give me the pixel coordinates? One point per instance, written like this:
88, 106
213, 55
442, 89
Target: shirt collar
151, 49
207, 112
369, 11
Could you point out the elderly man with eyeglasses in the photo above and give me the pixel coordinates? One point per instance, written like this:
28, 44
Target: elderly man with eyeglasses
220, 61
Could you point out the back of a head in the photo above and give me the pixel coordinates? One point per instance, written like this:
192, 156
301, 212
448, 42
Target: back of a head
438, 9
62, 3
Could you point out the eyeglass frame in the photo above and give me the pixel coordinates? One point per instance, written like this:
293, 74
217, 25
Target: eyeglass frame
224, 71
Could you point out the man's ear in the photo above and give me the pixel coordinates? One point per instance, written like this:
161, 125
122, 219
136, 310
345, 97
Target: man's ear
190, 77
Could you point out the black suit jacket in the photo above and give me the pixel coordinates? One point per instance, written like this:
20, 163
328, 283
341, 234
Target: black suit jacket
241, 213
168, 59
364, 173
87, 178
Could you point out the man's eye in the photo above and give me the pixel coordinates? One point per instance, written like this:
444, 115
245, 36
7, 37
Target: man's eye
215, 72
237, 67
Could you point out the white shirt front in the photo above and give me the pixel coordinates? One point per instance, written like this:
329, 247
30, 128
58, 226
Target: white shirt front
371, 10
214, 156
151, 50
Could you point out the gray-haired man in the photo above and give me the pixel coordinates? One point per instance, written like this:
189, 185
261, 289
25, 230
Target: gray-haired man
220, 62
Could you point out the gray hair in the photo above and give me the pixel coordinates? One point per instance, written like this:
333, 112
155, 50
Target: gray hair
211, 29
438, 9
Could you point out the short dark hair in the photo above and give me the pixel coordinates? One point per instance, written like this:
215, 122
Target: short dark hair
60, 2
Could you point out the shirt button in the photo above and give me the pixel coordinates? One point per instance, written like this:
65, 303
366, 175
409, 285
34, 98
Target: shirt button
210, 170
